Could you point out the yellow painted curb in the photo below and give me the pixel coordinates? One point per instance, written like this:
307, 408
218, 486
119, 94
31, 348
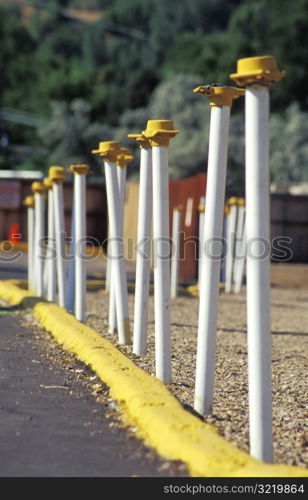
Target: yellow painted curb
5, 245
194, 289
147, 404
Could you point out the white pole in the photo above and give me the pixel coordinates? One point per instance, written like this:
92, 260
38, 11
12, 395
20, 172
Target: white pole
57, 176
118, 264
221, 100
109, 151
238, 234
50, 264
240, 268
71, 274
45, 278
161, 263
231, 233
108, 267
175, 258
80, 172
39, 216
112, 320
123, 158
224, 238
258, 73
108, 274
209, 285
31, 224
29, 203
121, 176
143, 256
201, 242
258, 289
60, 241
159, 132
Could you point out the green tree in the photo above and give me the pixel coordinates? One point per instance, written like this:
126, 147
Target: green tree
289, 41
289, 146
17, 82
120, 64
70, 136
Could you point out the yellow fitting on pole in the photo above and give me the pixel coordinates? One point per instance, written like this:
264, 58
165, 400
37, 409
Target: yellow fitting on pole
201, 208
38, 187
124, 157
257, 70
57, 174
108, 150
232, 201
178, 207
143, 141
241, 202
47, 183
77, 168
159, 132
29, 202
219, 95
226, 210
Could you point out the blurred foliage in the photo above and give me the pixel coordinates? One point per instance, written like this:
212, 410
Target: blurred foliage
70, 136
141, 61
289, 146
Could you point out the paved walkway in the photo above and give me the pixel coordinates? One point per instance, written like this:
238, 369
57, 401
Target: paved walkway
51, 424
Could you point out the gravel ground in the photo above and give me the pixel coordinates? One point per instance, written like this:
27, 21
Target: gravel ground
289, 357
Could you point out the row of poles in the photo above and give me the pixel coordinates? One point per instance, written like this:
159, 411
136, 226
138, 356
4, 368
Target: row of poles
256, 74
47, 273
252, 222
153, 207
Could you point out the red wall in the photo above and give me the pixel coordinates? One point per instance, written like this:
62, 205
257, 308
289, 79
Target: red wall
179, 193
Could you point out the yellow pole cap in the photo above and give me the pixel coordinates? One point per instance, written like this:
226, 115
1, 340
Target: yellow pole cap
29, 202
179, 208
108, 150
261, 70
124, 157
77, 168
241, 202
219, 95
159, 132
47, 183
143, 141
57, 174
38, 187
226, 210
201, 208
232, 201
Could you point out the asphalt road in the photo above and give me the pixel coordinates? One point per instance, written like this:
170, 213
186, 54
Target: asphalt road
13, 265
53, 422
